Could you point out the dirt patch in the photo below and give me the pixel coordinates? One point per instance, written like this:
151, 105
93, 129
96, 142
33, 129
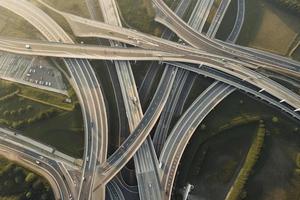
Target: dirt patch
268, 27
275, 33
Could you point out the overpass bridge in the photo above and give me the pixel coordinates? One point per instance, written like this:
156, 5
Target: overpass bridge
145, 159
83, 27
241, 72
168, 18
184, 129
47, 167
223, 67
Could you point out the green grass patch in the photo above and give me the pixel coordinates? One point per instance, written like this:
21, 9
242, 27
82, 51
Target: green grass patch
139, 14
38, 95
40, 116
63, 131
17, 112
7, 88
45, 97
298, 160
296, 54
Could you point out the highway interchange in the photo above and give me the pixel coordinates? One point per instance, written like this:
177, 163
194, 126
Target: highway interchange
156, 161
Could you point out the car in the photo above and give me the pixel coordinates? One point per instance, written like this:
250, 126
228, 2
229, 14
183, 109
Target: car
37, 162
27, 46
160, 164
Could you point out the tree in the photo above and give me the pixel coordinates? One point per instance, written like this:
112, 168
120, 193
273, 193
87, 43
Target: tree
28, 195
28, 107
30, 177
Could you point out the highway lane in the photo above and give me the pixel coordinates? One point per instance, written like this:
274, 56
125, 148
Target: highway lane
241, 85
162, 129
88, 28
219, 15
53, 32
184, 129
168, 18
145, 88
46, 168
114, 191
34, 18
127, 105
200, 14
129, 191
174, 163
185, 93
143, 165
180, 10
224, 66
197, 18
40, 148
63, 50
125, 152
122, 130
87, 88
239, 21
96, 29
293, 82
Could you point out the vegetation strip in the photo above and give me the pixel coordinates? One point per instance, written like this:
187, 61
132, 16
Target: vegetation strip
46, 103
250, 161
291, 5
8, 96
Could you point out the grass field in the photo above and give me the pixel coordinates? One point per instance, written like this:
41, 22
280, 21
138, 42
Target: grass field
42, 116
76, 7
139, 14
296, 54
12, 25
268, 27
235, 111
38, 95
63, 131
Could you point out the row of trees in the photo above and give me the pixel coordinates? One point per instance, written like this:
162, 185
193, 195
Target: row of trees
291, 5
8, 96
18, 183
19, 112
252, 156
21, 123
